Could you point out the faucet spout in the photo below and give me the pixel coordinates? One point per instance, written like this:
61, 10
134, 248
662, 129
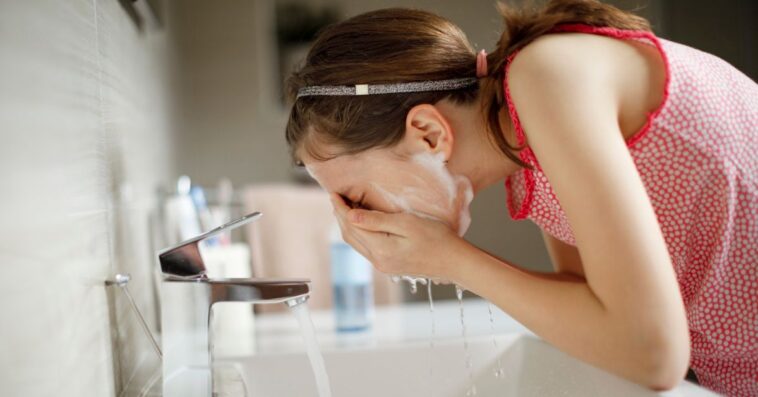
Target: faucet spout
186, 317
258, 290
187, 299
296, 301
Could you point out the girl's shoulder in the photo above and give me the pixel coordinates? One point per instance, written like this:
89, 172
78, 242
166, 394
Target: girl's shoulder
562, 67
570, 56
629, 72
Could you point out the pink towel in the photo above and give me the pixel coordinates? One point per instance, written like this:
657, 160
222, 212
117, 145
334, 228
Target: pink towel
292, 240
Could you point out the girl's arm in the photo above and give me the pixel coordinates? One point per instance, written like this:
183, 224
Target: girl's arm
566, 312
627, 316
565, 258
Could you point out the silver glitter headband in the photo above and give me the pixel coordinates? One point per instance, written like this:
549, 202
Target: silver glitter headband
371, 89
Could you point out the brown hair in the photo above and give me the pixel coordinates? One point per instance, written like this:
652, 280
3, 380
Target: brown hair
400, 45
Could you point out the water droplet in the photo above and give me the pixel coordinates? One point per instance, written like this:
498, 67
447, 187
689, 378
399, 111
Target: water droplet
431, 336
466, 352
459, 292
413, 282
499, 370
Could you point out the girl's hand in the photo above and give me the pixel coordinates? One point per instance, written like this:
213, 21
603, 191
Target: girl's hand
398, 243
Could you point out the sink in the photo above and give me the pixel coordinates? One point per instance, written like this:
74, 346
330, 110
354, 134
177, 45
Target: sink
531, 368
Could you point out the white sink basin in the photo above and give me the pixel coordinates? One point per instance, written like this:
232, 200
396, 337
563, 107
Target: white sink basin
394, 358
531, 368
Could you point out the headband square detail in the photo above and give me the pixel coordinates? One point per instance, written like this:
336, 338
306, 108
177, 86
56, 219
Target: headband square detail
361, 89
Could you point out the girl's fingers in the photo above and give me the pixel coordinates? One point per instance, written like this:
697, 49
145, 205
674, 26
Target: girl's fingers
377, 221
370, 234
350, 237
339, 204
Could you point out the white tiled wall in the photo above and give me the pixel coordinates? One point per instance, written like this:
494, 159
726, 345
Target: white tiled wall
85, 139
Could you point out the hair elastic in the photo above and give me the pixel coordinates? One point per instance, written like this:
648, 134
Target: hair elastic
372, 89
481, 64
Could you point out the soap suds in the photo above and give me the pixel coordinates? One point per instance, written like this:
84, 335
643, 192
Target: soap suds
434, 194
312, 173
458, 192
401, 202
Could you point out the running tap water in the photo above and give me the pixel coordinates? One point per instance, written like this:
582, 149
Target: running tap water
311, 345
467, 354
431, 334
499, 370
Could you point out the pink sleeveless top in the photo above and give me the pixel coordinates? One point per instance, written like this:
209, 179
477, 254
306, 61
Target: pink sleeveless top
698, 158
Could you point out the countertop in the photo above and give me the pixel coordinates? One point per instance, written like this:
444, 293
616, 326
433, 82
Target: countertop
277, 333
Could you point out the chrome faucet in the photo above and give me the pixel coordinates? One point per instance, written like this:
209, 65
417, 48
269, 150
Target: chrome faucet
187, 299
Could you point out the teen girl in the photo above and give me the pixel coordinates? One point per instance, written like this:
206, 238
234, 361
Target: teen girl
636, 156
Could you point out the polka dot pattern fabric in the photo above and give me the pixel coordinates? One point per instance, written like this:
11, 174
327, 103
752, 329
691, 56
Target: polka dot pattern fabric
698, 159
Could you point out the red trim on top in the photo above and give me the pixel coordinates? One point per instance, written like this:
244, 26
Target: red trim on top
527, 155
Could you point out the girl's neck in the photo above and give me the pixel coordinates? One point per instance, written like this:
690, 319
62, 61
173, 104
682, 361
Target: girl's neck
475, 155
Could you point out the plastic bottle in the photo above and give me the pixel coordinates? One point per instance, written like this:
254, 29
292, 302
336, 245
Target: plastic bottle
351, 284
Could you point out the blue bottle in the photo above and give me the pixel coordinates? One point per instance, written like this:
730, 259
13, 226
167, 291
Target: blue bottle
352, 286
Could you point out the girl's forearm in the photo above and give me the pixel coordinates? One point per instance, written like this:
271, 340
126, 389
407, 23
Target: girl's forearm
563, 310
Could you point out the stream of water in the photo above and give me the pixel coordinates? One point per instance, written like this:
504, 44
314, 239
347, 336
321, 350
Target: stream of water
431, 334
314, 354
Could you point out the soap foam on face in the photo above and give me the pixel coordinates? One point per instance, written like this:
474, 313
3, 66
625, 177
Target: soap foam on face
454, 185
456, 191
401, 202
312, 173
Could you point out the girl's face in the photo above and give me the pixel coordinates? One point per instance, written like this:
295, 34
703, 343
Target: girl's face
381, 180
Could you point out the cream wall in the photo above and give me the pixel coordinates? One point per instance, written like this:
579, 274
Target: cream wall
86, 139
219, 67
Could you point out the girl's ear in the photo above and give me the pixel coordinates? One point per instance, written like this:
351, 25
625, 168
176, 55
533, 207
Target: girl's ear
426, 129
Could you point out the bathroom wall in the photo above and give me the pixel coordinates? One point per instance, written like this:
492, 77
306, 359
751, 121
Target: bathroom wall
726, 29
87, 137
231, 125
